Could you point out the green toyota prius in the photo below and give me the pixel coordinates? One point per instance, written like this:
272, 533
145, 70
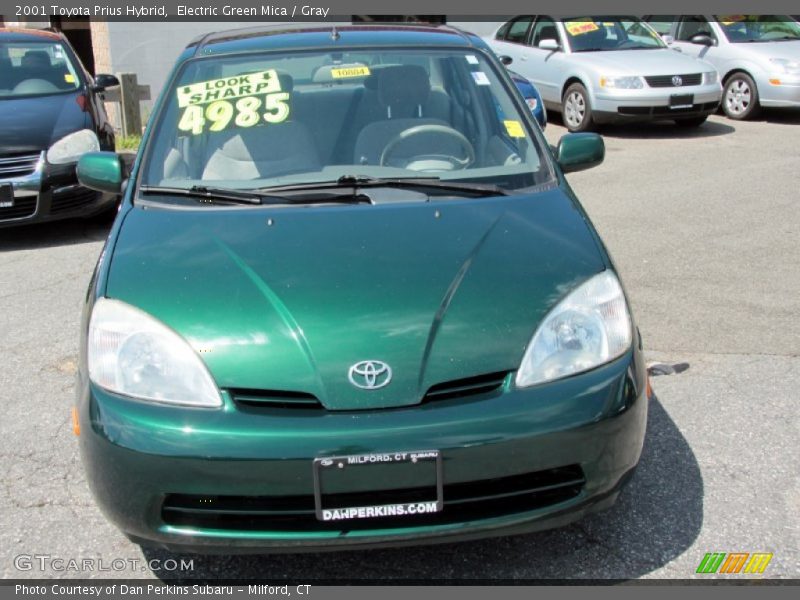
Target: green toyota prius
349, 301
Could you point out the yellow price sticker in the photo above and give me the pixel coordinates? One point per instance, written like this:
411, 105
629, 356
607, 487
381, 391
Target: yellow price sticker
731, 19
69, 77
348, 72
228, 88
581, 28
514, 129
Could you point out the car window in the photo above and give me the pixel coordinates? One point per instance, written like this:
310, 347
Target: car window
501, 33
692, 26
258, 120
662, 23
518, 30
598, 34
758, 28
36, 68
544, 29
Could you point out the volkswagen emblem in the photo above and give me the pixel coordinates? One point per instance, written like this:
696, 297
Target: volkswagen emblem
677, 80
370, 374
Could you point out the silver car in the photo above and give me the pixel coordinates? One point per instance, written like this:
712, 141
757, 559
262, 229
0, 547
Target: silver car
601, 69
757, 57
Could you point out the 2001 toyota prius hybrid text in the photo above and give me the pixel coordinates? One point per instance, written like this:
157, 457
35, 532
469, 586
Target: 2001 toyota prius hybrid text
350, 300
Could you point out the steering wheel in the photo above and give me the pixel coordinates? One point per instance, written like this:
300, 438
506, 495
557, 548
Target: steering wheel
454, 161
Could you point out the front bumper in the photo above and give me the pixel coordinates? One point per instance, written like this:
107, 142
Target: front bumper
48, 193
654, 103
785, 94
208, 480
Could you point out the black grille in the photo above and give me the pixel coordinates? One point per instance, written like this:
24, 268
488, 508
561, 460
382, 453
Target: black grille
274, 398
660, 81
17, 165
73, 200
23, 207
470, 386
462, 502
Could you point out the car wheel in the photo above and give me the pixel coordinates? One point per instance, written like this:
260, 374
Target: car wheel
740, 97
693, 122
576, 109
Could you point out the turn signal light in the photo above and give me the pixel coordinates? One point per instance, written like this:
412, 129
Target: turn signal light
76, 425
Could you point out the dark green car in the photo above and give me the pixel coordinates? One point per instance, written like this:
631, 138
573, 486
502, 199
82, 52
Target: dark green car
350, 300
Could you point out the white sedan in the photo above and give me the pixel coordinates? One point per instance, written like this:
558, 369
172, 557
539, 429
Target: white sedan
605, 69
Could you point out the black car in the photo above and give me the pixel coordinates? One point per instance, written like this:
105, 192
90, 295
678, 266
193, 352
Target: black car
51, 112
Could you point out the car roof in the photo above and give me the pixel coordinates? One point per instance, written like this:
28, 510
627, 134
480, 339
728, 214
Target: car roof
299, 36
18, 34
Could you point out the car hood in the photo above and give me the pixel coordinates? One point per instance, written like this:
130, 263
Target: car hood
662, 61
790, 50
31, 124
288, 299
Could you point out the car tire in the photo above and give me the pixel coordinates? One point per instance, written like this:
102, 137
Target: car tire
576, 110
740, 97
692, 122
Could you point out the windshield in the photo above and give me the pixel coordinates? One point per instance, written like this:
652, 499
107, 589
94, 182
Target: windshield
264, 120
758, 28
598, 34
35, 69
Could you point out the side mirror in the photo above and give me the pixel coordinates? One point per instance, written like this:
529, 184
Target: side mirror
103, 81
702, 39
100, 171
579, 151
548, 45
505, 59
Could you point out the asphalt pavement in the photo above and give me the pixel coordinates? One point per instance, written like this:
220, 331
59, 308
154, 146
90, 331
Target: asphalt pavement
704, 228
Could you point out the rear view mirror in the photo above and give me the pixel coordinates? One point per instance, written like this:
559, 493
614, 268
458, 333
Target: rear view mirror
505, 59
549, 44
702, 39
100, 171
104, 80
579, 151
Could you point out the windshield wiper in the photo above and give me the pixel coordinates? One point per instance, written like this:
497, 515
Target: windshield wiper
363, 181
211, 195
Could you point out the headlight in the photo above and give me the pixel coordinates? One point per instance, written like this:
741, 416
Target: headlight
589, 327
710, 77
133, 354
785, 65
71, 147
622, 83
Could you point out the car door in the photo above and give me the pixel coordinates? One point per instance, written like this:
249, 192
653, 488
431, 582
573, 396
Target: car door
511, 39
689, 26
545, 67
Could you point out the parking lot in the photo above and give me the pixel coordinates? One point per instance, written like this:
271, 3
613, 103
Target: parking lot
704, 228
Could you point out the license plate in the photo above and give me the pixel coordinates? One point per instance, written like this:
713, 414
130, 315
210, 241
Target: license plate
681, 101
382, 485
6, 196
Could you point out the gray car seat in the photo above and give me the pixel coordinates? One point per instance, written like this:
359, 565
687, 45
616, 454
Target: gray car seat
403, 93
268, 150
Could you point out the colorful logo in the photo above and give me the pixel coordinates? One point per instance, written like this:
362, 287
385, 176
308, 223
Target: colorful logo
734, 562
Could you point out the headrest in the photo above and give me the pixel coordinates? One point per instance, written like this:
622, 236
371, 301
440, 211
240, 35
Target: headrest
36, 58
403, 86
287, 81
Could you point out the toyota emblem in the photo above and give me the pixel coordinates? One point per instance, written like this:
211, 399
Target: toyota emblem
677, 80
370, 374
